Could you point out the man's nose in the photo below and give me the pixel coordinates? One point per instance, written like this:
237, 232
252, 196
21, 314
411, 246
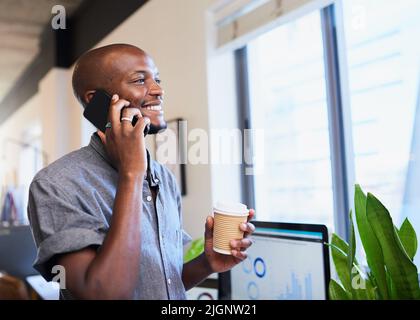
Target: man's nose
156, 90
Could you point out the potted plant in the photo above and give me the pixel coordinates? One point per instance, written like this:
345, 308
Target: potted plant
391, 273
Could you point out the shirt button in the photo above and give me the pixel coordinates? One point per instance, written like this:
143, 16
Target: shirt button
149, 198
169, 281
157, 180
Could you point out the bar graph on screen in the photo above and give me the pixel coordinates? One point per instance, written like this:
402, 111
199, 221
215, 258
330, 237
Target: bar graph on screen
297, 291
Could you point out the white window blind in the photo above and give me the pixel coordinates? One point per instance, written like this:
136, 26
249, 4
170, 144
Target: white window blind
236, 21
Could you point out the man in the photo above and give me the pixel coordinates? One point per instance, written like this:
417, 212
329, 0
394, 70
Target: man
109, 214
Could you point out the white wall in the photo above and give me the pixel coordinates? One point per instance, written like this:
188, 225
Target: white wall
223, 116
60, 114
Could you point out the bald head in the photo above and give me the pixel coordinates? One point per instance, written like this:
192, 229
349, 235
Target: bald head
103, 68
127, 71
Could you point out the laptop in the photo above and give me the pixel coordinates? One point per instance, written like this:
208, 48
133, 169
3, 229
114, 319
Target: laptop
287, 261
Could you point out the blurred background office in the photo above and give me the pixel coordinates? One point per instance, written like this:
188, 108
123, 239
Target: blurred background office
332, 84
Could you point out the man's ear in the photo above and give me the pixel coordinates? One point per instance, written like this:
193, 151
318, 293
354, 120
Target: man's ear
88, 96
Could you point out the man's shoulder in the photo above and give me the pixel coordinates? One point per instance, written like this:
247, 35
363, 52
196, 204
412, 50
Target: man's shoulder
68, 166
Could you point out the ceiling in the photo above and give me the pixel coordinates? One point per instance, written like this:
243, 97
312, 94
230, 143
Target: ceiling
21, 25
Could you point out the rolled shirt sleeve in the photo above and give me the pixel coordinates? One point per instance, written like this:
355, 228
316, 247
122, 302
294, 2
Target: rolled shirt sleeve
59, 225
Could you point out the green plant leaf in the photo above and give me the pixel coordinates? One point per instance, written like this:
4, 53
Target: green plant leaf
371, 290
351, 252
408, 238
392, 294
353, 291
374, 255
402, 271
400, 243
363, 288
195, 249
336, 292
342, 245
340, 261
360, 293
343, 254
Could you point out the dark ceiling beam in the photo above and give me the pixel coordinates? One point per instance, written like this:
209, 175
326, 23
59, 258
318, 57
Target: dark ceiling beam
89, 24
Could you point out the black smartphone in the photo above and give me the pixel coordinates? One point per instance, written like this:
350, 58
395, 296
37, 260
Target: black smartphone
97, 110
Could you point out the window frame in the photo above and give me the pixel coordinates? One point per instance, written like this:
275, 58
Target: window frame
339, 116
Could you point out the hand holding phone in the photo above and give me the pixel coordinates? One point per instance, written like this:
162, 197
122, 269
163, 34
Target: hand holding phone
97, 111
124, 143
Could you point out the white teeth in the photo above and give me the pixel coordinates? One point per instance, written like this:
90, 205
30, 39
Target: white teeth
154, 108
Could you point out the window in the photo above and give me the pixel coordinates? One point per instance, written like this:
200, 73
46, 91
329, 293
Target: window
384, 67
288, 100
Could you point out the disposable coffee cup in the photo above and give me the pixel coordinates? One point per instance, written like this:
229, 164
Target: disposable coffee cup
227, 220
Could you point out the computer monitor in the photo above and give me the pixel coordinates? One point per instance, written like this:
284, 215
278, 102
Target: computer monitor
286, 262
17, 251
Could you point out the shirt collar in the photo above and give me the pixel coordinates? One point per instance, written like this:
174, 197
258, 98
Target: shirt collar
97, 145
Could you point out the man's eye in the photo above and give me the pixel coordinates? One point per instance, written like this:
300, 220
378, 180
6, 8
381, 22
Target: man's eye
158, 81
141, 81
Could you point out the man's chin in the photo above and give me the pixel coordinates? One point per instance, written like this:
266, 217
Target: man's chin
154, 129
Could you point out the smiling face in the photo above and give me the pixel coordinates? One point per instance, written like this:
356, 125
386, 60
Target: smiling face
124, 70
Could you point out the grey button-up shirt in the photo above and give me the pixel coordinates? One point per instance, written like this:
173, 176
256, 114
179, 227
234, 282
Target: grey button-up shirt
70, 208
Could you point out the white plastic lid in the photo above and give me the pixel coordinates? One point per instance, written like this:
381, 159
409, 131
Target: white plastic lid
231, 208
